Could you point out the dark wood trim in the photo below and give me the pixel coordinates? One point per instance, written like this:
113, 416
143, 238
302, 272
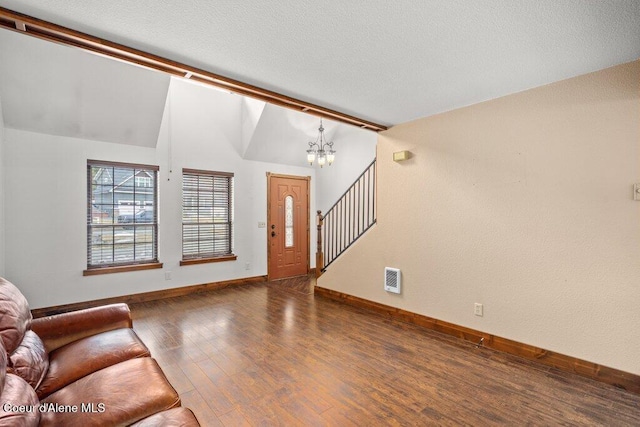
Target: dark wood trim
123, 165
121, 269
146, 296
207, 260
615, 377
25, 24
205, 172
319, 252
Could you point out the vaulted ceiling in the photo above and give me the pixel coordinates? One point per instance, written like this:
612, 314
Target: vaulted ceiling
387, 62
57, 90
63, 91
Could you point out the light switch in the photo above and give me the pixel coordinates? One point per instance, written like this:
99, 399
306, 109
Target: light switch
262, 224
477, 309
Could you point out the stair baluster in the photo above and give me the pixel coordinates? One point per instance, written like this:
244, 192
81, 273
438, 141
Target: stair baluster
348, 219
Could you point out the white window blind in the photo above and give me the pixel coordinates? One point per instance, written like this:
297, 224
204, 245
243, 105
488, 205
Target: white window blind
207, 214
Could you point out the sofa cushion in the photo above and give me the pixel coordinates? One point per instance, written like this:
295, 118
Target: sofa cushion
121, 395
30, 360
19, 403
61, 329
176, 417
85, 356
15, 317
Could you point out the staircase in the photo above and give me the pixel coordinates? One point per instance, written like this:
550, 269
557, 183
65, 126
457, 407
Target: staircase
348, 219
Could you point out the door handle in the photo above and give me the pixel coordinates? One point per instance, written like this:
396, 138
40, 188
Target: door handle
273, 234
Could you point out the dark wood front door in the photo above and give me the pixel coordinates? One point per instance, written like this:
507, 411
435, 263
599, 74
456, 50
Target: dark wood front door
288, 225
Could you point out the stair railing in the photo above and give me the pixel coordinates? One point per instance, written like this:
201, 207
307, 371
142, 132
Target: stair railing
347, 220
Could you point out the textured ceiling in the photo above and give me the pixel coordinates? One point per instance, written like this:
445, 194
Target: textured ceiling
387, 62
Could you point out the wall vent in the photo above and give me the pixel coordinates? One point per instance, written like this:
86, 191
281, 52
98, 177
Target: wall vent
392, 280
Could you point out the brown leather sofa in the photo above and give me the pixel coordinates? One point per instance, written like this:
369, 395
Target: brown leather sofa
84, 368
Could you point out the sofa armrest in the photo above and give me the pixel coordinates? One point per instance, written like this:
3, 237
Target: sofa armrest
61, 329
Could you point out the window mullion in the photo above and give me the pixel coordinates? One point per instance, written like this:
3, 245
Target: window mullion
119, 218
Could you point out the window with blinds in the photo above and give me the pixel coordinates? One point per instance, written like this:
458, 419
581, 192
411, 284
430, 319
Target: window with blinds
207, 216
122, 215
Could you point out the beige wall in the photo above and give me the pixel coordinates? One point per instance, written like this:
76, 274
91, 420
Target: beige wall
523, 204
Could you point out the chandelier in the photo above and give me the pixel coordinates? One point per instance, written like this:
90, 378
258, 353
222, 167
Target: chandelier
321, 149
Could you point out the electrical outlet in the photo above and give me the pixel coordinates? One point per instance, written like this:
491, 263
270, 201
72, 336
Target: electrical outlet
167, 275
477, 309
262, 224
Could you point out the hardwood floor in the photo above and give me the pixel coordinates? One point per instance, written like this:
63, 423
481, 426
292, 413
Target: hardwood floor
273, 354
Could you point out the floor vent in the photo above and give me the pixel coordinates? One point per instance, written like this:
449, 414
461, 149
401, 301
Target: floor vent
392, 280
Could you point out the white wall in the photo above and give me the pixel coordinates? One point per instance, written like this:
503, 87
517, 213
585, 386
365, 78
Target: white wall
355, 150
523, 204
2, 191
46, 187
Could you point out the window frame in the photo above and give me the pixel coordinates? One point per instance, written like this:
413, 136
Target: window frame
129, 265
207, 257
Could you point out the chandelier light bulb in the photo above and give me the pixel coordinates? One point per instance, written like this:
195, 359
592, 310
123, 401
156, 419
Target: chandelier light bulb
331, 156
322, 158
311, 156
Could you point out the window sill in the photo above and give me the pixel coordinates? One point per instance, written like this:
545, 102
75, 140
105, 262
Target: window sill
121, 269
207, 260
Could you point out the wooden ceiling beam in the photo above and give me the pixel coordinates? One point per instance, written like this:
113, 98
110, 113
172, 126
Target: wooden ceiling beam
35, 27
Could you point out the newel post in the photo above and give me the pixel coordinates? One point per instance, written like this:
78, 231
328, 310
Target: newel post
319, 253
